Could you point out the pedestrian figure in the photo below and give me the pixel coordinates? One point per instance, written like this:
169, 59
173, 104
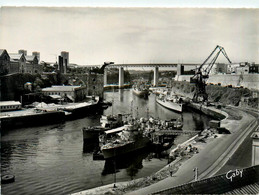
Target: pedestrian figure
171, 171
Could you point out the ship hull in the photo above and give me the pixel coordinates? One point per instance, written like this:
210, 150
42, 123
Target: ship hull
178, 107
32, 119
125, 149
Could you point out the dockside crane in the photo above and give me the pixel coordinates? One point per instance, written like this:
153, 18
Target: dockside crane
202, 74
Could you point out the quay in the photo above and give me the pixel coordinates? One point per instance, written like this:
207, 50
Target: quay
29, 117
45, 114
212, 156
208, 110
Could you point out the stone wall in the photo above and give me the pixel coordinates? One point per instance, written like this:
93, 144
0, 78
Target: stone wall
95, 84
250, 81
182, 77
12, 86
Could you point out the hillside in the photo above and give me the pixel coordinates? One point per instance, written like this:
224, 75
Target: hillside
223, 95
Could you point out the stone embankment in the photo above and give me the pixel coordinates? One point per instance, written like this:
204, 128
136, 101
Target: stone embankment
195, 149
221, 95
179, 155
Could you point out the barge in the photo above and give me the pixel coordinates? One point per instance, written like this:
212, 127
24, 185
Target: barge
30, 117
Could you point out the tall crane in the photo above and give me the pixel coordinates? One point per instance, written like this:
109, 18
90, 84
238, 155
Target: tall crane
202, 74
101, 70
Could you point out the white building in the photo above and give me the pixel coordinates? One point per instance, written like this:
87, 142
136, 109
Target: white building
74, 93
10, 105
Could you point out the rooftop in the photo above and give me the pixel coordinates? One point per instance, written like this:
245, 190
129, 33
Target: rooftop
61, 88
1, 51
248, 183
15, 56
9, 103
30, 58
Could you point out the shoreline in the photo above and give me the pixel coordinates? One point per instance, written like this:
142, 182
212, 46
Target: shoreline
233, 121
166, 172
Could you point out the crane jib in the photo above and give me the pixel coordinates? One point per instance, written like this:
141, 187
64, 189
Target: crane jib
201, 75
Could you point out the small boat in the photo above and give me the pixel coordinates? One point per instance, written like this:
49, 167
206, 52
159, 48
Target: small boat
172, 102
140, 91
107, 122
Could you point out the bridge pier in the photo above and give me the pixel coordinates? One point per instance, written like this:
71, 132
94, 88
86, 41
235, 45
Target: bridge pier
105, 77
155, 76
180, 69
121, 77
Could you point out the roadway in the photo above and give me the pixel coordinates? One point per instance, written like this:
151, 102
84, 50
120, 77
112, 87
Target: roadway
212, 159
243, 156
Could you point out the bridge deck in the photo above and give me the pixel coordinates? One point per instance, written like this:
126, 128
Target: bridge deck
141, 65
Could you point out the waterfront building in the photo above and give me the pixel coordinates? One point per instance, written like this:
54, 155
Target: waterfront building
65, 56
232, 68
254, 68
255, 148
10, 105
37, 54
221, 68
60, 64
17, 63
32, 64
4, 61
95, 83
74, 93
242, 70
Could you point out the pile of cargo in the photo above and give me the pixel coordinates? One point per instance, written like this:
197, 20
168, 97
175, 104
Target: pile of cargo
181, 151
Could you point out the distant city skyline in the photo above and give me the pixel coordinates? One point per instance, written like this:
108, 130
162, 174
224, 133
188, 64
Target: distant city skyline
131, 35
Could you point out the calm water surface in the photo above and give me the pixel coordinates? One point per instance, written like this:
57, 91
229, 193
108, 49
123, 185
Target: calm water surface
50, 159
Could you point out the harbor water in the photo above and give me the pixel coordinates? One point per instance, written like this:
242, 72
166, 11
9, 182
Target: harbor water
50, 159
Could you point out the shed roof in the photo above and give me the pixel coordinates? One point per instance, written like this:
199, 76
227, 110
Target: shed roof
15, 56
247, 184
61, 88
30, 58
10, 103
55, 96
1, 51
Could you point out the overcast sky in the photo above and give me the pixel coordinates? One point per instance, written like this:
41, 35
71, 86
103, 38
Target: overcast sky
131, 35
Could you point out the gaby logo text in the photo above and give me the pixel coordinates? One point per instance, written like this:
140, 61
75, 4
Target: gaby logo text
234, 173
